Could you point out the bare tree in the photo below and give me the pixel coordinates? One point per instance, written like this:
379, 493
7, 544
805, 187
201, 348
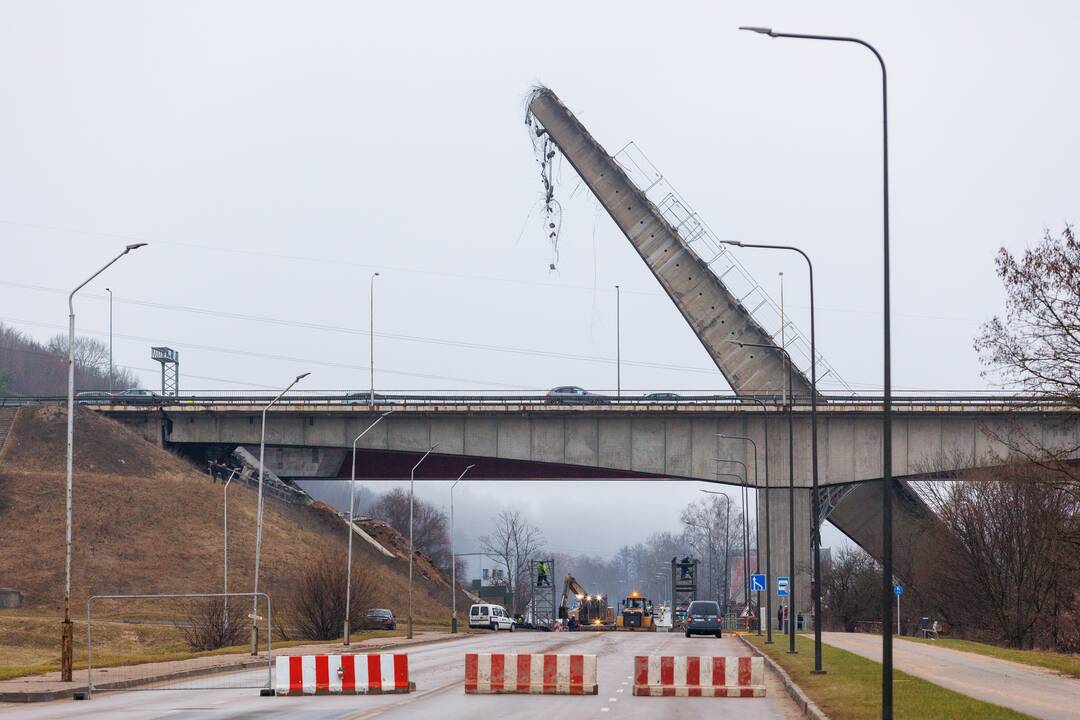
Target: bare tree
90, 353
851, 586
30, 368
210, 624
316, 607
1018, 531
431, 534
514, 543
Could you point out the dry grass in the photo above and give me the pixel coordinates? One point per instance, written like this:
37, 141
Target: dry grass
148, 522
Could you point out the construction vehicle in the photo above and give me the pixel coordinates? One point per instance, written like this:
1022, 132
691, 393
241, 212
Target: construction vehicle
592, 612
636, 614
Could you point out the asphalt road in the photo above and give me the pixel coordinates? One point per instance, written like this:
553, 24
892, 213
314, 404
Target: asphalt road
1031, 690
438, 670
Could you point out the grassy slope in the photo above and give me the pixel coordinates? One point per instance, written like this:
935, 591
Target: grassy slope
147, 522
1064, 663
851, 689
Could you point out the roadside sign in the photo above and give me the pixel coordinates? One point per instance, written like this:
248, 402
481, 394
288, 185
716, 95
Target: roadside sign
253, 616
782, 586
898, 589
757, 583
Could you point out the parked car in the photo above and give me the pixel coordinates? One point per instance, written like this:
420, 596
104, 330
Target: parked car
663, 396
380, 619
573, 395
93, 397
703, 618
137, 395
494, 617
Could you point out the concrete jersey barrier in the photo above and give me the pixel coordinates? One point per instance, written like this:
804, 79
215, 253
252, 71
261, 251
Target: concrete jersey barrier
693, 676
342, 674
530, 674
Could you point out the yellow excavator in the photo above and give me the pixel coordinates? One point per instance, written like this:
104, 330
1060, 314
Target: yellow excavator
636, 614
592, 612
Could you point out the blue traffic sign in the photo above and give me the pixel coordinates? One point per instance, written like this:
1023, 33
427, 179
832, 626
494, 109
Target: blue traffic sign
757, 583
782, 586
898, 589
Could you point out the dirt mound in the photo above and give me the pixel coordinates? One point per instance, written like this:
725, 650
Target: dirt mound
147, 521
395, 542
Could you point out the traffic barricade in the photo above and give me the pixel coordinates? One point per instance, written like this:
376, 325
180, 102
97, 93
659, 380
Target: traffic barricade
342, 674
694, 676
530, 674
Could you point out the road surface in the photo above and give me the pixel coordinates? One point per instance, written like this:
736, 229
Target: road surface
438, 670
1035, 691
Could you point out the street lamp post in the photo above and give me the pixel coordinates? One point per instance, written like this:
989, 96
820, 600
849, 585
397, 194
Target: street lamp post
768, 520
768, 601
225, 517
709, 540
791, 484
815, 534
412, 548
618, 342
746, 528
259, 516
109, 290
886, 440
352, 508
371, 338
66, 644
453, 556
727, 535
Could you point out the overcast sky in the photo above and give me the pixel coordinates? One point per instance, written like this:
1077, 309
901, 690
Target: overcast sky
275, 154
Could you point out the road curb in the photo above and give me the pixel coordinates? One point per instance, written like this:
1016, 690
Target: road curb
30, 696
808, 706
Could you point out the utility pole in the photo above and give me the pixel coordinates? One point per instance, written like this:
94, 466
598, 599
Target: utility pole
618, 342
109, 290
371, 339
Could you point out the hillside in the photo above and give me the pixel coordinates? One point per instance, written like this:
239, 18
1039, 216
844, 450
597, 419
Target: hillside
146, 521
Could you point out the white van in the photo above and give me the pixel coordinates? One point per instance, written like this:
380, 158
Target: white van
493, 617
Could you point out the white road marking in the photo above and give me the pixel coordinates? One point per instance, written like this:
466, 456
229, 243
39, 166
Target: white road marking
604, 709
619, 690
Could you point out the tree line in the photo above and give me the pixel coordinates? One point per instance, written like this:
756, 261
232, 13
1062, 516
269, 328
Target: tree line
30, 368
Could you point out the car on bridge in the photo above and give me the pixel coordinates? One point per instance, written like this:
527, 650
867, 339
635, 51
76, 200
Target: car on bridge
93, 397
663, 396
573, 395
364, 398
137, 395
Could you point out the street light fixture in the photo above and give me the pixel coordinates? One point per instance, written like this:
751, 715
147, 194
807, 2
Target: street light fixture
352, 508
412, 548
727, 534
886, 440
453, 557
746, 527
259, 519
618, 342
109, 290
768, 563
791, 482
371, 336
66, 636
815, 534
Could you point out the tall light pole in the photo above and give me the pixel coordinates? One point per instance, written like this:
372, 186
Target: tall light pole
618, 342
815, 520
352, 508
727, 534
412, 548
371, 338
768, 602
746, 528
453, 556
259, 517
66, 646
886, 439
225, 517
791, 483
109, 290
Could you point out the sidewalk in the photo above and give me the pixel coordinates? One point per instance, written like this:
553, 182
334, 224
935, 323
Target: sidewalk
39, 688
1032, 690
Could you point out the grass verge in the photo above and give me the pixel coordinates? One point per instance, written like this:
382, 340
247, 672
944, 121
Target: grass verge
852, 688
1064, 663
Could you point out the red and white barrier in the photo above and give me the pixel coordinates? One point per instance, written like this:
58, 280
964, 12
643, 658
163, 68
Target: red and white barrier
678, 676
342, 674
530, 674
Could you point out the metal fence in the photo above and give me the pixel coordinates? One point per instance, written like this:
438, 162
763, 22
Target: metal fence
173, 642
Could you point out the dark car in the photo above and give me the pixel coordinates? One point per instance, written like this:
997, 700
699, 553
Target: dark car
380, 619
663, 396
364, 398
573, 395
136, 395
703, 618
93, 397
